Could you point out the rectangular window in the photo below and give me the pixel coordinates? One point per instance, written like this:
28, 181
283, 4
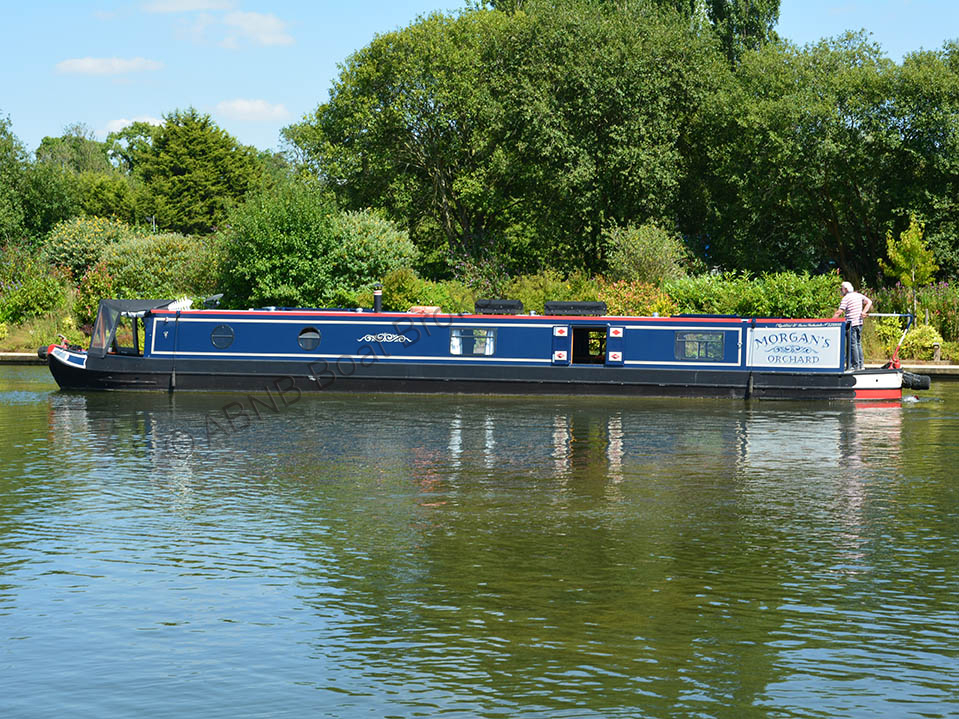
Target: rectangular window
699, 346
473, 341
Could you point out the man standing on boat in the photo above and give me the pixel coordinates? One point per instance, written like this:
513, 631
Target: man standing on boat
855, 306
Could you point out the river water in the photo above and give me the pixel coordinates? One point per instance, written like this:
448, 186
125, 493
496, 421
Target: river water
214, 555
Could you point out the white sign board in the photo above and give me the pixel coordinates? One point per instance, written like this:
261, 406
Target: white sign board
795, 346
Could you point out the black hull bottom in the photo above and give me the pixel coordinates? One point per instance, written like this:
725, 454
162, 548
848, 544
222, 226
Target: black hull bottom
134, 373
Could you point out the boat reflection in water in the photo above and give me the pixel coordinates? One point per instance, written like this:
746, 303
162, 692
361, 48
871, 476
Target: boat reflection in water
454, 437
519, 556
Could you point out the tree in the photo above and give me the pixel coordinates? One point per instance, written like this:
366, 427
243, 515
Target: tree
743, 24
740, 25
131, 147
291, 246
13, 163
77, 150
925, 99
195, 172
647, 254
803, 160
49, 194
524, 133
910, 261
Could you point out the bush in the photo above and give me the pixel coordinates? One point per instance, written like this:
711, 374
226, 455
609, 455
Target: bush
645, 254
28, 286
39, 331
164, 266
941, 300
366, 247
950, 352
78, 244
919, 343
4, 331
96, 284
486, 276
887, 331
535, 290
403, 289
636, 298
785, 294
291, 246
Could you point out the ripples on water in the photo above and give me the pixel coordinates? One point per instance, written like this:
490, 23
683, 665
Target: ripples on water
414, 556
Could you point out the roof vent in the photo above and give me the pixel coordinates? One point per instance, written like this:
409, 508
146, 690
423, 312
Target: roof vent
579, 309
498, 307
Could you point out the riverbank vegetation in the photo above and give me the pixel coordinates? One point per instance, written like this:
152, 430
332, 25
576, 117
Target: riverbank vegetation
657, 158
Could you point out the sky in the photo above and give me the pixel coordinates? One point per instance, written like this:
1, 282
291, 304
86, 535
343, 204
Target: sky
257, 66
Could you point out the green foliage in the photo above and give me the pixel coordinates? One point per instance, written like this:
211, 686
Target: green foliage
783, 294
39, 331
50, 195
195, 172
4, 331
402, 289
919, 343
167, 265
12, 167
548, 285
95, 285
636, 298
111, 194
77, 150
888, 331
742, 25
132, 147
910, 261
533, 130
940, 301
366, 246
802, 159
646, 254
485, 276
28, 288
949, 352
78, 244
292, 247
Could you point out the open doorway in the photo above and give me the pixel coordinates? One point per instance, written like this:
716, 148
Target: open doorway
589, 345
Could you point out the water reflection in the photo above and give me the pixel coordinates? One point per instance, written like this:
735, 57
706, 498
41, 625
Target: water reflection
495, 556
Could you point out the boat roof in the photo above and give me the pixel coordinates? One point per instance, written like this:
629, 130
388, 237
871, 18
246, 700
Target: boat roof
134, 308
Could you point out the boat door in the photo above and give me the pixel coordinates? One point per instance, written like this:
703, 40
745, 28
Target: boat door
589, 344
615, 339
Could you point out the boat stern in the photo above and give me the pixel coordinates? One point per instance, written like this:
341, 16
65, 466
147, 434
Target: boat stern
879, 384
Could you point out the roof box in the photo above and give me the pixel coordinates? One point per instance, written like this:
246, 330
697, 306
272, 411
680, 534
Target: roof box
579, 309
498, 307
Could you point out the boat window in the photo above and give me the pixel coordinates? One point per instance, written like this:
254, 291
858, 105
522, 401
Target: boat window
309, 339
222, 336
699, 346
104, 327
472, 341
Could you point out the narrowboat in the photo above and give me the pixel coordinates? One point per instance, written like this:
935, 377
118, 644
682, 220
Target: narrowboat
573, 348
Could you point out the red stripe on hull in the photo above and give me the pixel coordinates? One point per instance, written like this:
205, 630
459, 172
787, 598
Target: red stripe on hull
879, 393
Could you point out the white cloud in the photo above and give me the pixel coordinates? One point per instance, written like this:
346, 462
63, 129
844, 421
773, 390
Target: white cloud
107, 65
252, 110
117, 125
187, 5
257, 28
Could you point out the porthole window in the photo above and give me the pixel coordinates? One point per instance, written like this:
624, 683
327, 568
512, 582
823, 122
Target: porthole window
222, 336
309, 339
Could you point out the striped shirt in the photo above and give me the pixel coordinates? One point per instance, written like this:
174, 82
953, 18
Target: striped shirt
852, 304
